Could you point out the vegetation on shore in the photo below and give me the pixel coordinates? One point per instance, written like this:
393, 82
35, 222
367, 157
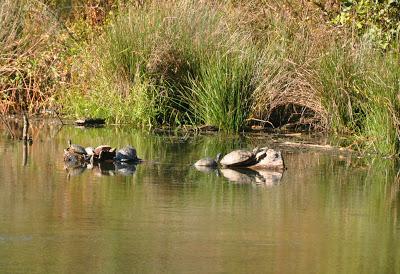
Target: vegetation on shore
230, 64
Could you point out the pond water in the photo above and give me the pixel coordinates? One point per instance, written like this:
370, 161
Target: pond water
329, 212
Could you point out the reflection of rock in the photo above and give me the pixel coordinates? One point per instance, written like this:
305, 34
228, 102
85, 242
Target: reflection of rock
125, 169
268, 177
105, 168
248, 176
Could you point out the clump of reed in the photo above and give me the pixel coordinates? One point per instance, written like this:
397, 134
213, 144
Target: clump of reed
220, 94
359, 89
192, 63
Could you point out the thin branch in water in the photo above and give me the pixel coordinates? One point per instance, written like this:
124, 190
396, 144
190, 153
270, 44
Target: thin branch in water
7, 126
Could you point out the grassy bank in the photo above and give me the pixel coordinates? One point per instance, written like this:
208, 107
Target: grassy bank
231, 65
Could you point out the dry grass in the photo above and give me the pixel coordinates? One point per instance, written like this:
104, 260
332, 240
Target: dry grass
26, 78
294, 35
181, 62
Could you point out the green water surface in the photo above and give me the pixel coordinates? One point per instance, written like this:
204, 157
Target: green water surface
327, 213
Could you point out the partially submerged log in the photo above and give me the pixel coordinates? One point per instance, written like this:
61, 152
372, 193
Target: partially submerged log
87, 122
316, 146
25, 129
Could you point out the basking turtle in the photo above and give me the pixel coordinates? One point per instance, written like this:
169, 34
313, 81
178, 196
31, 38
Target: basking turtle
74, 148
100, 153
240, 158
126, 154
89, 151
104, 153
101, 148
209, 162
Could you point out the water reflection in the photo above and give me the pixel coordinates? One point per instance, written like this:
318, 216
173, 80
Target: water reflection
105, 168
206, 169
329, 214
125, 169
74, 170
250, 176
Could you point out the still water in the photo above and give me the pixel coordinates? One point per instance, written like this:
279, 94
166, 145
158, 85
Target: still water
329, 212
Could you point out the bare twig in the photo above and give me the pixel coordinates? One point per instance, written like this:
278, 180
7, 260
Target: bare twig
7, 126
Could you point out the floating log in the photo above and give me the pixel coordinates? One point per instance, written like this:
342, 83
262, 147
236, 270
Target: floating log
208, 128
87, 122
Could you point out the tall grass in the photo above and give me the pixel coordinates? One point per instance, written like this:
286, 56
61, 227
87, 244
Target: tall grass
359, 89
222, 63
187, 54
220, 94
288, 87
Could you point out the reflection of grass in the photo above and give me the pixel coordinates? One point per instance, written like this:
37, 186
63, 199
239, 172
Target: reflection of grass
344, 205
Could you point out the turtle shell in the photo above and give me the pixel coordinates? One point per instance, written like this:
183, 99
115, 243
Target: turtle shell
238, 158
101, 148
272, 160
126, 154
210, 162
74, 148
105, 155
89, 151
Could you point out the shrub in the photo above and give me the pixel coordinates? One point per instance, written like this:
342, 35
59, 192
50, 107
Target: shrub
378, 21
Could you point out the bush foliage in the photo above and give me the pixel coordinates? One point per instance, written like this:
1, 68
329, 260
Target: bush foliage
376, 20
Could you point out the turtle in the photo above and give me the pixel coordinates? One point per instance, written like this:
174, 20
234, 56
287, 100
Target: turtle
241, 158
126, 154
89, 151
104, 153
209, 162
101, 148
74, 148
100, 153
